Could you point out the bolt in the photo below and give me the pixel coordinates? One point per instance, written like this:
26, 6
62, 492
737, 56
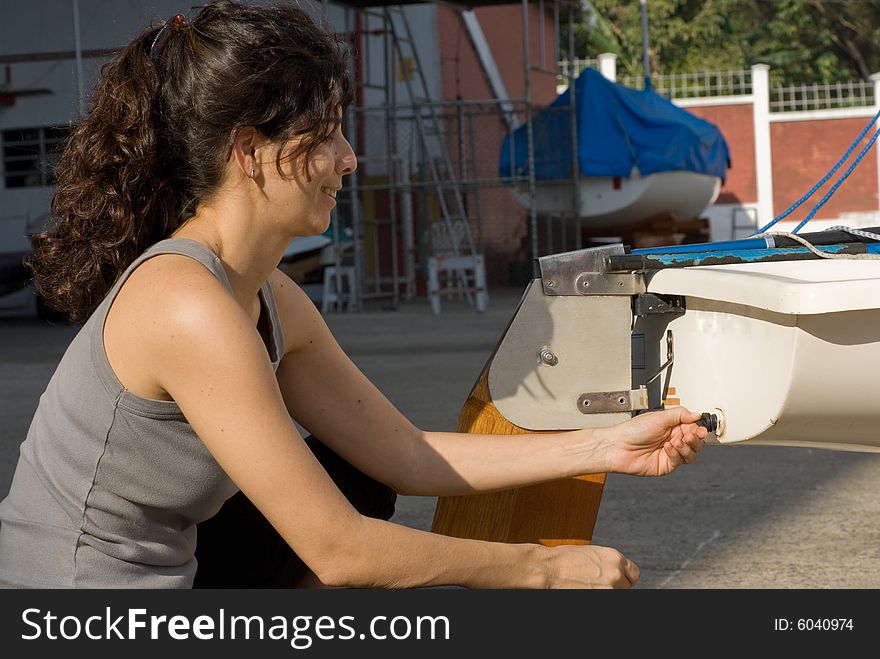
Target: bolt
548, 357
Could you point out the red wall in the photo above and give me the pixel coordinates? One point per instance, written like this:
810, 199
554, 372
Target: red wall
502, 26
804, 151
503, 220
736, 123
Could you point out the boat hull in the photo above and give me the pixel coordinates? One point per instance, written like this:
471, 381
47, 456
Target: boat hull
616, 202
785, 352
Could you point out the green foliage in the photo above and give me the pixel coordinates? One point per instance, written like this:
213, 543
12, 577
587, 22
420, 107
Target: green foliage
803, 41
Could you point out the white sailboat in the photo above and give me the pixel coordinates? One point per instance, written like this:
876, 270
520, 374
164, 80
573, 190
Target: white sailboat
627, 157
611, 202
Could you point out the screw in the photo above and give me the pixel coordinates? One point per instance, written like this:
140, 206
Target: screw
583, 403
551, 283
548, 357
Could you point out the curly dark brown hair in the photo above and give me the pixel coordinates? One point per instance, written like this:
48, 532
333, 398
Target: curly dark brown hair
159, 132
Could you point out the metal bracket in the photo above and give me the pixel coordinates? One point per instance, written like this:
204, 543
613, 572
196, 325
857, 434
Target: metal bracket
583, 272
602, 402
555, 348
649, 304
670, 357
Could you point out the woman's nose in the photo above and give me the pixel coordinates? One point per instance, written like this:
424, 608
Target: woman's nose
346, 161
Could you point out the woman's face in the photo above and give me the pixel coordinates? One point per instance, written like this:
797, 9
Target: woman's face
306, 201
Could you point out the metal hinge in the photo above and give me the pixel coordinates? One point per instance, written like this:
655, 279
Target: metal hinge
603, 402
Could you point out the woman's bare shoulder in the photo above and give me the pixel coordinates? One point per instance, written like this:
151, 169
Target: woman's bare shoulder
160, 298
165, 284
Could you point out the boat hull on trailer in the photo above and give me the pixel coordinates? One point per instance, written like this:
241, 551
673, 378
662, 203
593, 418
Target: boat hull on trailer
782, 353
610, 202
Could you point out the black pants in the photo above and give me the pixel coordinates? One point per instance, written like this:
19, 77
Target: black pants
239, 548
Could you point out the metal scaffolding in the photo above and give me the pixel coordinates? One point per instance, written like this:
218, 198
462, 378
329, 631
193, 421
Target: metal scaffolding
424, 189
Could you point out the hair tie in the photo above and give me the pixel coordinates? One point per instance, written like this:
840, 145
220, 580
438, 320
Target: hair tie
175, 23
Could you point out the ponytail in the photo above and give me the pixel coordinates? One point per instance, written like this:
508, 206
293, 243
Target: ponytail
112, 200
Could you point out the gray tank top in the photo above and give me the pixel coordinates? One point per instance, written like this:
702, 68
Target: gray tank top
109, 486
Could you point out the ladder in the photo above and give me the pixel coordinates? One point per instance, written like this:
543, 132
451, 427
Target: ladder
454, 266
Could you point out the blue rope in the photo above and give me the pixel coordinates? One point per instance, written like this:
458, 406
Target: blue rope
827, 176
837, 184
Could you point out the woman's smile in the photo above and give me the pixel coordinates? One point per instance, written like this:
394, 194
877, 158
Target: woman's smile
331, 193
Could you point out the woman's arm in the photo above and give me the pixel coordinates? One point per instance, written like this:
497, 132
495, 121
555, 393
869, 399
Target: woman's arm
207, 354
326, 393
651, 444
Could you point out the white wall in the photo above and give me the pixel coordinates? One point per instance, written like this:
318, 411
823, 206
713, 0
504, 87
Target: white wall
31, 28
47, 27
35, 28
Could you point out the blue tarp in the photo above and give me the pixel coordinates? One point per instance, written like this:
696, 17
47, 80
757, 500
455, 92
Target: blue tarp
617, 128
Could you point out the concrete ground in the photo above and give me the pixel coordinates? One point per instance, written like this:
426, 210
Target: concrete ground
743, 517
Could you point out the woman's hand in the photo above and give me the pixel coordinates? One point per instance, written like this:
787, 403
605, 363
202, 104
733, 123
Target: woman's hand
655, 443
579, 566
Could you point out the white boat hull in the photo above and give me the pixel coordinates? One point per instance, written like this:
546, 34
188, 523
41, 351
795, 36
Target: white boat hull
783, 353
610, 202
787, 352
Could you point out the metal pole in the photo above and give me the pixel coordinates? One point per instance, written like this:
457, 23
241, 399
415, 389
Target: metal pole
541, 57
409, 243
646, 60
575, 159
463, 175
356, 219
530, 140
355, 135
391, 142
77, 45
476, 174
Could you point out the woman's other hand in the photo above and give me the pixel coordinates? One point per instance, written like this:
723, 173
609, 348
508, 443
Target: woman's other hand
579, 566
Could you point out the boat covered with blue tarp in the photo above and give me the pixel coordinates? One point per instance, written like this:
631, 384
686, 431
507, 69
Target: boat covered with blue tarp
618, 129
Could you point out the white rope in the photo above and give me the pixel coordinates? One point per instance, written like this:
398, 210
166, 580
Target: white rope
827, 255
855, 232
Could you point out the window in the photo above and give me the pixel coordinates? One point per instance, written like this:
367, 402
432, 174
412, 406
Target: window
30, 154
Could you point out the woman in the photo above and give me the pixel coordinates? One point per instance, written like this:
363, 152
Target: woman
209, 145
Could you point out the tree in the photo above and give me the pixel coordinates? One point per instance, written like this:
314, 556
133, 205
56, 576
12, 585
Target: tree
802, 40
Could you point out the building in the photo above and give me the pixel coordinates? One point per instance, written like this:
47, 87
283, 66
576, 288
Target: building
438, 88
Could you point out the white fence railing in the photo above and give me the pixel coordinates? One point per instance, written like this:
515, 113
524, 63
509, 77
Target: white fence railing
578, 64
798, 98
696, 85
783, 98
675, 85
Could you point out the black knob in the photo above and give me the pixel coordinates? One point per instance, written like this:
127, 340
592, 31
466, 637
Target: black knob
708, 421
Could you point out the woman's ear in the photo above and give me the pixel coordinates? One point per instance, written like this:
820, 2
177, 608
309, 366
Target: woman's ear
247, 145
